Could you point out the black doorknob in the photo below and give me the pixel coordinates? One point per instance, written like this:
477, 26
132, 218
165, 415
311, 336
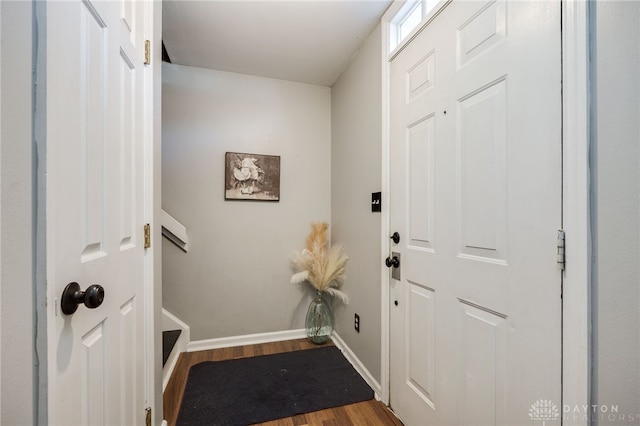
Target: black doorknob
395, 237
392, 261
72, 296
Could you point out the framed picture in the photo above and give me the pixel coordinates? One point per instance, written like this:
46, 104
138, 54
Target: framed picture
252, 177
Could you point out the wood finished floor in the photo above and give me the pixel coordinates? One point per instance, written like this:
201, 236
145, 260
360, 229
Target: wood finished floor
371, 412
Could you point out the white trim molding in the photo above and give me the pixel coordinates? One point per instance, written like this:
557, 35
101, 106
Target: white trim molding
576, 336
174, 231
167, 369
357, 364
384, 222
248, 339
171, 322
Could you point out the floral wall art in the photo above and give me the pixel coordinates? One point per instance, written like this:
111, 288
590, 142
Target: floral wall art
252, 177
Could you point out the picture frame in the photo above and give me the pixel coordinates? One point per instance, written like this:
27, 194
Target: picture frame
252, 177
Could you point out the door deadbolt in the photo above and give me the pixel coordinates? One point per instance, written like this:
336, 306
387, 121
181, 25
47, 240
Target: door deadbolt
395, 238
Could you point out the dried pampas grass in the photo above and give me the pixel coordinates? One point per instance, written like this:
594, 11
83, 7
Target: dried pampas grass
322, 267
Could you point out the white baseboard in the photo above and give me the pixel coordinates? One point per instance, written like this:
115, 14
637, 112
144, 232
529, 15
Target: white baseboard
167, 370
357, 364
249, 339
172, 322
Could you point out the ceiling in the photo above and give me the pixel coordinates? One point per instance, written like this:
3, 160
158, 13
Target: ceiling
310, 41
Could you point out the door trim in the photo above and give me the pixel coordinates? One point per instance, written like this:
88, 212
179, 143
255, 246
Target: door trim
152, 206
576, 341
384, 220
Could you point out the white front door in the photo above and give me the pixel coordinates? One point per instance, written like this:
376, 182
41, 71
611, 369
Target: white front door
475, 169
95, 210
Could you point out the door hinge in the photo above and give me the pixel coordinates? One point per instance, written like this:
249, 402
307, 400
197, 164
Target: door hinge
147, 235
561, 256
147, 421
147, 52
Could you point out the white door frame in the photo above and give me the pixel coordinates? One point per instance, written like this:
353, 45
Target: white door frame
153, 256
576, 342
576, 335
152, 207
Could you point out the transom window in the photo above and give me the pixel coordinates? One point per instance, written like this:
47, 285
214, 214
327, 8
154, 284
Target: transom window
408, 18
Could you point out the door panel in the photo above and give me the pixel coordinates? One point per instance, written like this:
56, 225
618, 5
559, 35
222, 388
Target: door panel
485, 29
421, 168
92, 76
127, 153
482, 173
421, 330
482, 365
93, 375
475, 156
94, 208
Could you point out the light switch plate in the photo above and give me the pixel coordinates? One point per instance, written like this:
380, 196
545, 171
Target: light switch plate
376, 201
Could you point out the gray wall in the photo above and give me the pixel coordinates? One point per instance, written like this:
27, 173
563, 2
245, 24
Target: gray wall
616, 208
356, 145
235, 278
16, 216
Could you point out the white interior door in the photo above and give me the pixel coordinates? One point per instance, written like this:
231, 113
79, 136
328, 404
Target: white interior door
475, 170
94, 210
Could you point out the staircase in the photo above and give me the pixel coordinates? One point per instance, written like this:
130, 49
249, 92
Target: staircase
169, 340
175, 334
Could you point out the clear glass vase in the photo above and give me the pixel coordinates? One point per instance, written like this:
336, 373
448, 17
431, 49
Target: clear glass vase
319, 321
